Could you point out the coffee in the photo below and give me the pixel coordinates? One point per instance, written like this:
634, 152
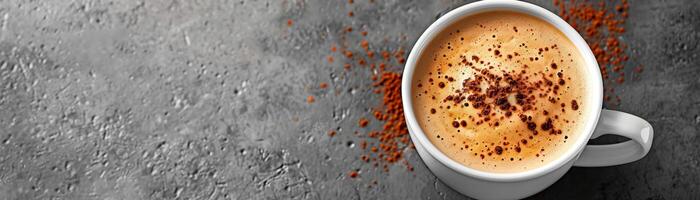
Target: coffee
500, 91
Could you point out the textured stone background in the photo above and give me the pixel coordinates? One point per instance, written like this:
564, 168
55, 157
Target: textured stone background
206, 100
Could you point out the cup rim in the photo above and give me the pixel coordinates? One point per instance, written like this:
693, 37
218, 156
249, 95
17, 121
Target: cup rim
594, 98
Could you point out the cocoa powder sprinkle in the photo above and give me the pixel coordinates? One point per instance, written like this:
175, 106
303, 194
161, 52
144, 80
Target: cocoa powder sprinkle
601, 27
574, 105
353, 174
363, 122
498, 150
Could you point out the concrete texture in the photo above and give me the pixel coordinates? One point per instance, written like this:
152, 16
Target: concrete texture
207, 100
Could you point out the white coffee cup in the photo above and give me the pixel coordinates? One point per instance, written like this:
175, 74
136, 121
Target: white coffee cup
489, 185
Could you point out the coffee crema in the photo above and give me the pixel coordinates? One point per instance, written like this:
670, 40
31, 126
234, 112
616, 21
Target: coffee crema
500, 92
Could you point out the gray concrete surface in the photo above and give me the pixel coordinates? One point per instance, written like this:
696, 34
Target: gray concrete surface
207, 100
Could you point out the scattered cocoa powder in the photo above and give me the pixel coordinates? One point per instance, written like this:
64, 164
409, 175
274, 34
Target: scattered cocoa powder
363, 122
393, 137
353, 174
525, 89
385, 146
601, 25
498, 149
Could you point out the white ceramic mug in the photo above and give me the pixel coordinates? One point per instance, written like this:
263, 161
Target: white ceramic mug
490, 185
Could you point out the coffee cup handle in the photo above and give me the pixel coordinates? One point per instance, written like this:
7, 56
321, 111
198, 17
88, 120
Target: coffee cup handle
619, 123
